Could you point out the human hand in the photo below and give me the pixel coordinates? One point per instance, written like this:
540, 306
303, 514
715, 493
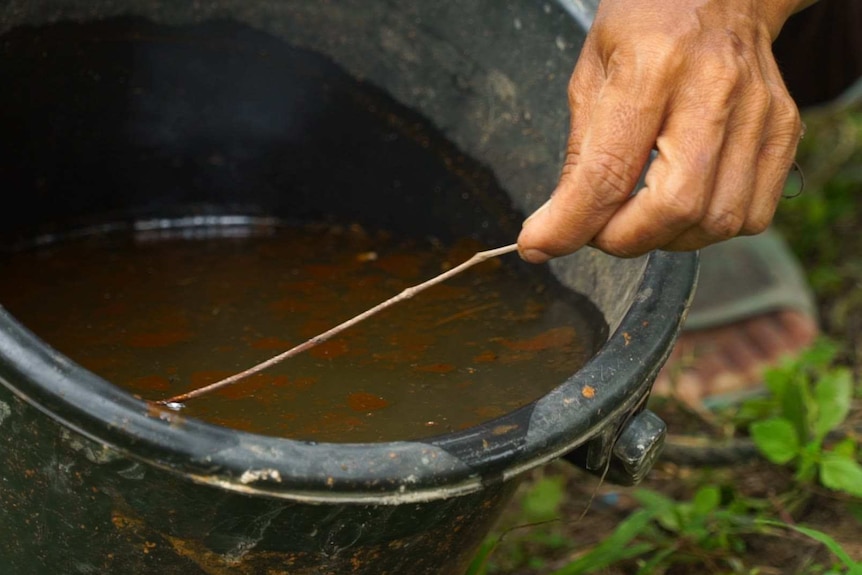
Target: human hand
696, 81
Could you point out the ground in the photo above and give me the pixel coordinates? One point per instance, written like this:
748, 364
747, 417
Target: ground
712, 495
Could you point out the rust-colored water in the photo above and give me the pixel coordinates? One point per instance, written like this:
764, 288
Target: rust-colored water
164, 316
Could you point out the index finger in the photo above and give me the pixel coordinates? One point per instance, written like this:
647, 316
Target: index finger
603, 167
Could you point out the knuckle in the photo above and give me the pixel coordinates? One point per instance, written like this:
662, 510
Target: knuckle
758, 220
664, 53
787, 120
610, 176
727, 74
756, 224
724, 224
785, 105
759, 100
725, 81
682, 210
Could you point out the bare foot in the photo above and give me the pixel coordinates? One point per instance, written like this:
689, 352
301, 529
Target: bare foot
731, 358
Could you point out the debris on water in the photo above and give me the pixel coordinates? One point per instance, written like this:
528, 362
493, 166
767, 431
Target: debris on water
367, 257
175, 405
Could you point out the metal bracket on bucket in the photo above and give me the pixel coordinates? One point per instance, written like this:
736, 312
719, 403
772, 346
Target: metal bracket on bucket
637, 448
624, 453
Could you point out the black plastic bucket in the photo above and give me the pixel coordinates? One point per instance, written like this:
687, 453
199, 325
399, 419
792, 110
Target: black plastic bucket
139, 113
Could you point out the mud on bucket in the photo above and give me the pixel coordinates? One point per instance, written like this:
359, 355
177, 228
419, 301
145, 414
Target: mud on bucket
190, 122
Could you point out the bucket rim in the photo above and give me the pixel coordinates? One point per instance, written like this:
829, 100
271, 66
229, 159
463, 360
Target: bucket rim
612, 383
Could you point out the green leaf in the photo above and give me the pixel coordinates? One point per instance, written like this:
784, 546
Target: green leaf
665, 510
653, 501
841, 474
649, 567
820, 355
777, 379
845, 448
706, 500
829, 542
808, 461
615, 547
796, 405
604, 556
543, 499
820, 537
754, 409
478, 566
776, 438
833, 394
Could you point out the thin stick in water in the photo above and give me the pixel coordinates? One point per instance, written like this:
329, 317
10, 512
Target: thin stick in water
409, 292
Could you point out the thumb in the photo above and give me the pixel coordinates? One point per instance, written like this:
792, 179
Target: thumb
528, 247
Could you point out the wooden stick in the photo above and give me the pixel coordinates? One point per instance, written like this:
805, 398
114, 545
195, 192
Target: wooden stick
177, 400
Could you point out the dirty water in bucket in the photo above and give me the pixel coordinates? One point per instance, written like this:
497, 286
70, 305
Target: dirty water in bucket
165, 314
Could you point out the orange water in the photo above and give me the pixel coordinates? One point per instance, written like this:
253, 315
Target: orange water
167, 315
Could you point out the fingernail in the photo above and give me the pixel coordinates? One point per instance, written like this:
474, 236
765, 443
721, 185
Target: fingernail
534, 256
541, 209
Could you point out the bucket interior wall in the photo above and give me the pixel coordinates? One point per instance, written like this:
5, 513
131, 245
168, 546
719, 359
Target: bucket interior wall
130, 113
